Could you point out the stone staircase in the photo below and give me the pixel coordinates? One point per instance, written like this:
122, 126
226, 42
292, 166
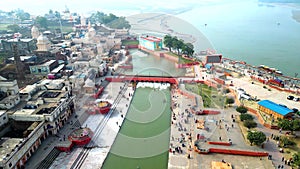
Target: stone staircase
48, 160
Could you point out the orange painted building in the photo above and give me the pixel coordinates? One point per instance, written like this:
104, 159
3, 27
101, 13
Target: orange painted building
273, 109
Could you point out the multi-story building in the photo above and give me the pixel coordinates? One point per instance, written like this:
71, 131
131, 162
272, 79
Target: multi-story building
43, 69
9, 93
47, 106
25, 46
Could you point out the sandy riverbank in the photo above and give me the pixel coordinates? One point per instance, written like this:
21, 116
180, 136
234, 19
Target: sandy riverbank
296, 15
158, 24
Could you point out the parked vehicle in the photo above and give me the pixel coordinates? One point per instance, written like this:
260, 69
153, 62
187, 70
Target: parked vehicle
296, 99
290, 97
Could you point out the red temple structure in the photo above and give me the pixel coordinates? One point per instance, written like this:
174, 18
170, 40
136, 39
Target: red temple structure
80, 137
103, 107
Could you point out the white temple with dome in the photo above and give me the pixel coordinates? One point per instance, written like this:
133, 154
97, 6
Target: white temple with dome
83, 20
91, 33
43, 44
35, 33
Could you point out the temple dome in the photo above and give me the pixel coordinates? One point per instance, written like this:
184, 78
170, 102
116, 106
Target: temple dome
43, 43
42, 39
35, 32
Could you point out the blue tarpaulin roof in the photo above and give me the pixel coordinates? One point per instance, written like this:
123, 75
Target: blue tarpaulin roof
275, 107
208, 66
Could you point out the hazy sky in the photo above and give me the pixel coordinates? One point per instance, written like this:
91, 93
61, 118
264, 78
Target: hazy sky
124, 7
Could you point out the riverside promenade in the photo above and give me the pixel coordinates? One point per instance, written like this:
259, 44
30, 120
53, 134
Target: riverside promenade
183, 126
80, 118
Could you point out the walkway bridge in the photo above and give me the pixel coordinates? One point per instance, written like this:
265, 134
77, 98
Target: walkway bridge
154, 79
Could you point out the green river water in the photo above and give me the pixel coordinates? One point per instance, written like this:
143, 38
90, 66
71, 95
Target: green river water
143, 140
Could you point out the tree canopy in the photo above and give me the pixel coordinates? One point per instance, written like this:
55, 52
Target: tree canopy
296, 159
291, 125
246, 116
110, 20
250, 124
41, 22
229, 100
14, 28
168, 41
21, 14
179, 45
256, 137
241, 109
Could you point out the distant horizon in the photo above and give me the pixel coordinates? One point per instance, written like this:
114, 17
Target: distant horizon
118, 7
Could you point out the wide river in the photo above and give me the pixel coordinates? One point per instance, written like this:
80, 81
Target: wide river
251, 31
248, 30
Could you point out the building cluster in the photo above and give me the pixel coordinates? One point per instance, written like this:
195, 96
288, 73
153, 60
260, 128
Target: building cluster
29, 115
61, 68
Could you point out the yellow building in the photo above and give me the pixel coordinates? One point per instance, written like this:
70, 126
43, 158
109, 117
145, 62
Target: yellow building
273, 109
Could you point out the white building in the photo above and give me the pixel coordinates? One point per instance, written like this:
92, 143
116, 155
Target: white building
35, 32
3, 117
9, 93
49, 105
43, 44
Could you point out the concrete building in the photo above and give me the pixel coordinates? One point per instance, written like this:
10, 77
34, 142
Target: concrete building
44, 68
3, 117
46, 110
150, 42
274, 110
121, 33
25, 46
43, 44
18, 143
9, 94
35, 32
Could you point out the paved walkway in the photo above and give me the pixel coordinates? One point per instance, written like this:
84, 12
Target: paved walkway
186, 121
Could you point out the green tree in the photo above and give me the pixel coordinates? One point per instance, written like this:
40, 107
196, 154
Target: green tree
227, 91
41, 22
285, 141
110, 20
21, 15
119, 23
14, 28
57, 14
291, 125
229, 100
250, 124
256, 137
296, 159
177, 44
241, 109
246, 116
168, 41
188, 49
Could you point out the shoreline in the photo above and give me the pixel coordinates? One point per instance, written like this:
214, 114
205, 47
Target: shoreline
155, 23
162, 24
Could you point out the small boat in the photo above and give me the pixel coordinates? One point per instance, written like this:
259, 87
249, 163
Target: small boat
270, 69
278, 72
